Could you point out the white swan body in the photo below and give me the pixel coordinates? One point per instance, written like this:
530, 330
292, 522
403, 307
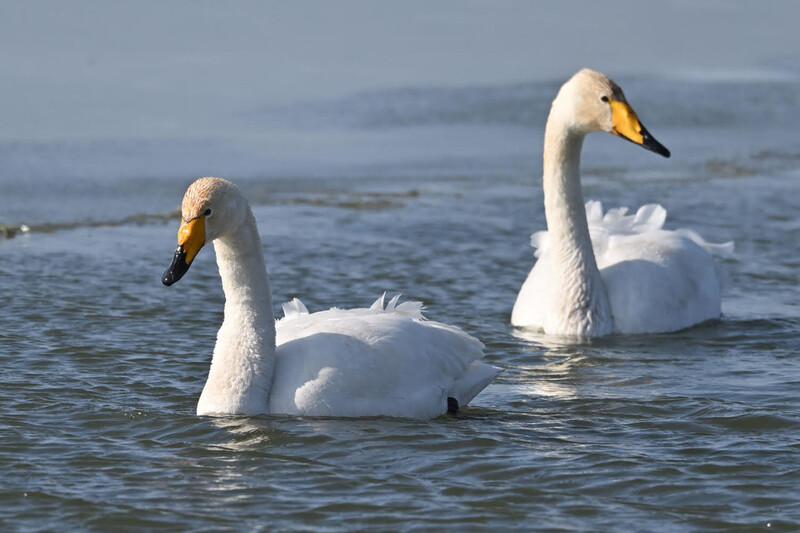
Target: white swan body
639, 263
597, 274
382, 361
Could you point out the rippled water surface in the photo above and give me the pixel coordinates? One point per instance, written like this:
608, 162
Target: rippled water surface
432, 194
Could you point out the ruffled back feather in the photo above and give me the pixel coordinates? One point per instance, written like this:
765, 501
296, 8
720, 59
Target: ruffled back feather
617, 222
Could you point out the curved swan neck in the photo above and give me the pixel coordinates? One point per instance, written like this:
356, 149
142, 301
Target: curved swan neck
563, 198
241, 371
244, 275
578, 293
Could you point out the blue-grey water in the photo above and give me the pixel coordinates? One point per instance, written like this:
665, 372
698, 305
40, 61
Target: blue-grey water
102, 365
430, 189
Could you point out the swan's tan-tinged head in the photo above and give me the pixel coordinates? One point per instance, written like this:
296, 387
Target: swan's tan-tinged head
210, 207
590, 101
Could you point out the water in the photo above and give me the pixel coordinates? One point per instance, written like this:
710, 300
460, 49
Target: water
103, 365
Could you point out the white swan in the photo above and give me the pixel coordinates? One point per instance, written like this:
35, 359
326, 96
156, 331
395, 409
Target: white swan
361, 362
616, 273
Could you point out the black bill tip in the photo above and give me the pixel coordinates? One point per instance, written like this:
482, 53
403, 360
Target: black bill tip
177, 269
649, 142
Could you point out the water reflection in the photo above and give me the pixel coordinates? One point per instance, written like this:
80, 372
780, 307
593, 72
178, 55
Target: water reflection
545, 366
554, 344
250, 433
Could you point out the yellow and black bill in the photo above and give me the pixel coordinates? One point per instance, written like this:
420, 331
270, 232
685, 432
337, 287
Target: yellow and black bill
191, 237
627, 126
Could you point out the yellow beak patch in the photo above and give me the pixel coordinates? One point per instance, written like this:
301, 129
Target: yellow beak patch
626, 123
192, 237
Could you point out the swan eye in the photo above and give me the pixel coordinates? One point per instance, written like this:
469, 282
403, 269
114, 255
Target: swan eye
207, 212
604, 98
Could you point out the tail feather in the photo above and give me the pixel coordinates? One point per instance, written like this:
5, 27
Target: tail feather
477, 377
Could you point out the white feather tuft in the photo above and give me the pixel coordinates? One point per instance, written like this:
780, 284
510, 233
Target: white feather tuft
617, 222
392, 303
411, 309
378, 304
294, 309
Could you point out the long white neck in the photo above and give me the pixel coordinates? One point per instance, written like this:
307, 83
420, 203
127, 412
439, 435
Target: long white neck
578, 299
241, 371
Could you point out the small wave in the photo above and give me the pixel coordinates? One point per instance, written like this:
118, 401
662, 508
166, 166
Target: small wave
739, 76
753, 422
11, 231
355, 200
777, 155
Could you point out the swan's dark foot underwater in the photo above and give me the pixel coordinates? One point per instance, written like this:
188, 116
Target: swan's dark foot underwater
452, 405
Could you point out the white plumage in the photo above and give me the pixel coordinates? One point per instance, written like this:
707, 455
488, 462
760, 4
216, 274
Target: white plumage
656, 279
386, 360
599, 273
377, 361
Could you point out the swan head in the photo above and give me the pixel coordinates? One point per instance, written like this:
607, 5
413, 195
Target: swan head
590, 101
211, 208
